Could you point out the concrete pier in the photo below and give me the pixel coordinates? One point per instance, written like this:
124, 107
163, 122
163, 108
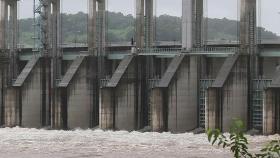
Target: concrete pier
29, 86
149, 22
75, 88
271, 106
140, 23
269, 112
11, 107
174, 104
3, 19
192, 23
124, 89
168, 88
227, 98
158, 110
9, 41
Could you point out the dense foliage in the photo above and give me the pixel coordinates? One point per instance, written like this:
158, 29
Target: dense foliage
238, 143
121, 28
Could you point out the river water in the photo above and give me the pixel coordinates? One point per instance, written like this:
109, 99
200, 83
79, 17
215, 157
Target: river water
34, 143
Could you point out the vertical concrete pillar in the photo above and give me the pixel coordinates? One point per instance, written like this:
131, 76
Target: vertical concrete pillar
12, 107
58, 114
125, 91
227, 99
56, 29
248, 26
3, 19
235, 94
92, 27
45, 26
101, 36
126, 105
139, 23
102, 26
158, 110
76, 87
248, 36
33, 112
149, 23
1, 95
56, 57
80, 91
14, 39
192, 20
182, 97
11, 95
107, 116
212, 109
11, 38
269, 112
47, 33
187, 24
199, 41
14, 24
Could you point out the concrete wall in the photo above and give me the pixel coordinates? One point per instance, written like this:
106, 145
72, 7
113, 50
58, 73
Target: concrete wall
1, 95
92, 26
229, 102
58, 116
248, 26
187, 24
268, 112
268, 66
3, 17
126, 106
210, 67
107, 109
235, 94
80, 99
192, 23
149, 22
271, 111
212, 109
158, 110
12, 107
140, 23
182, 97
33, 112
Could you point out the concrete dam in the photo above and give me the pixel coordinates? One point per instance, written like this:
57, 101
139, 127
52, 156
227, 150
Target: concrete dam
167, 87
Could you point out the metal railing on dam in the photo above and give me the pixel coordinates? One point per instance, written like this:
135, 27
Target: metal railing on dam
152, 83
212, 50
157, 51
119, 52
104, 82
202, 50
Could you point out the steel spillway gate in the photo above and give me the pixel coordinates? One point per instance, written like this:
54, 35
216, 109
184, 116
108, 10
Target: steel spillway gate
203, 86
257, 99
256, 105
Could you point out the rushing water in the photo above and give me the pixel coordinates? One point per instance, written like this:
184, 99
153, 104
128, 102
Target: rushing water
34, 143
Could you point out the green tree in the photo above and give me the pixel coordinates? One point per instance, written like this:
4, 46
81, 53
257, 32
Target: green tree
238, 143
122, 28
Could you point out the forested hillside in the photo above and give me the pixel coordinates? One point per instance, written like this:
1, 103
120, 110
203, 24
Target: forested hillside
121, 28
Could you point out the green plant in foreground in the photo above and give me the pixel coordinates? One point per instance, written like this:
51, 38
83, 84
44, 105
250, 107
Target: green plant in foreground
271, 150
238, 143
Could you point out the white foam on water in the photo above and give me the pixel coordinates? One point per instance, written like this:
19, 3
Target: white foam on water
29, 143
